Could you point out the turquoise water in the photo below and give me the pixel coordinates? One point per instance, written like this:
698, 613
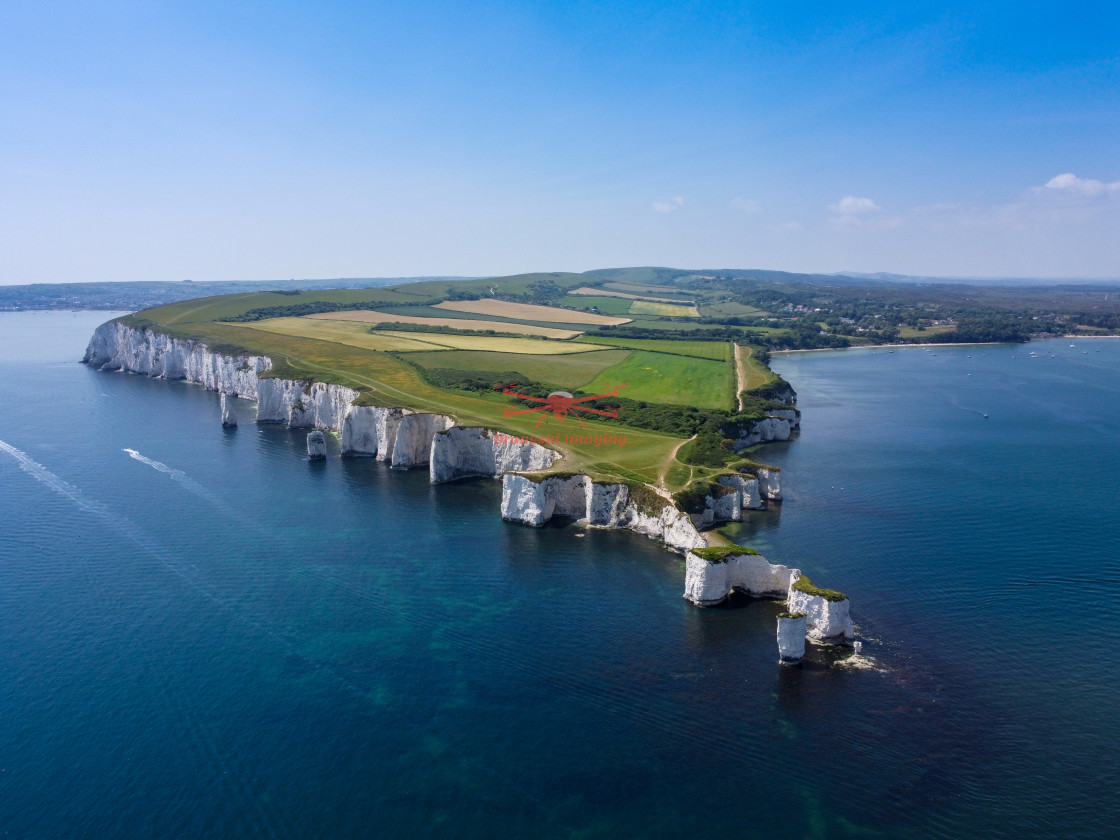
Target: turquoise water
217, 638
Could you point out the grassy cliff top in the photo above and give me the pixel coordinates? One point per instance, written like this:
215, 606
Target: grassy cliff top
423, 369
805, 585
721, 553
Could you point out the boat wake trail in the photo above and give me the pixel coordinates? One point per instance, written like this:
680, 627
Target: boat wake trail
176, 475
189, 573
190, 576
45, 476
113, 519
956, 404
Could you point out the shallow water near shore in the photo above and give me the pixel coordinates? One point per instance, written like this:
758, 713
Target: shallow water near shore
204, 634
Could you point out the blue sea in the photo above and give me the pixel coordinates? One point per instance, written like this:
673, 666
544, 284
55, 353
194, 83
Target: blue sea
202, 634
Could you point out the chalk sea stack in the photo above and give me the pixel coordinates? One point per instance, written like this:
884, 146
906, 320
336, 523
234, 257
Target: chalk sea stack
791, 637
316, 446
229, 416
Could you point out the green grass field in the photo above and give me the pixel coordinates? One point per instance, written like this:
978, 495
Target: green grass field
584, 291
663, 378
501, 344
350, 333
607, 305
358, 334
516, 284
644, 290
202, 310
571, 371
652, 322
642, 287
674, 310
415, 323
720, 351
730, 309
911, 332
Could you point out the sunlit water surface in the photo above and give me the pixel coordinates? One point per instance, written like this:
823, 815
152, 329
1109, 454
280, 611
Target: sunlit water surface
204, 634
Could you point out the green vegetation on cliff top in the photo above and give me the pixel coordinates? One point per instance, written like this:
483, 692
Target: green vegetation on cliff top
721, 553
669, 387
680, 379
803, 584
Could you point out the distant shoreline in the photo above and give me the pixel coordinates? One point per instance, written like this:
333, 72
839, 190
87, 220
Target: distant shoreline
875, 346
928, 344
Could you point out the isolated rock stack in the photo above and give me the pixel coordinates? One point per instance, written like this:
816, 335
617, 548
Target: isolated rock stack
791, 637
316, 446
229, 417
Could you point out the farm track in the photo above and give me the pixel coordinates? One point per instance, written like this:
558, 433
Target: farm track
740, 377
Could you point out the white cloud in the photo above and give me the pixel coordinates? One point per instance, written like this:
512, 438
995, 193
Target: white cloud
1071, 184
748, 205
1063, 200
669, 206
851, 205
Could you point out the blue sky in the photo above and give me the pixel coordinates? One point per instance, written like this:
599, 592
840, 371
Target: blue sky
238, 140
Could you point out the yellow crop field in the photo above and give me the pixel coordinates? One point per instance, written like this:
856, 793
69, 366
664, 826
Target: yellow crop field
343, 332
373, 317
586, 290
528, 312
357, 334
676, 310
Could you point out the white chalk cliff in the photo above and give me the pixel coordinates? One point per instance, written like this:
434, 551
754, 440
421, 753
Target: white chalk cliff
404, 439
398, 436
710, 581
749, 496
534, 500
725, 507
777, 424
116, 346
828, 620
769, 483
371, 430
462, 451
